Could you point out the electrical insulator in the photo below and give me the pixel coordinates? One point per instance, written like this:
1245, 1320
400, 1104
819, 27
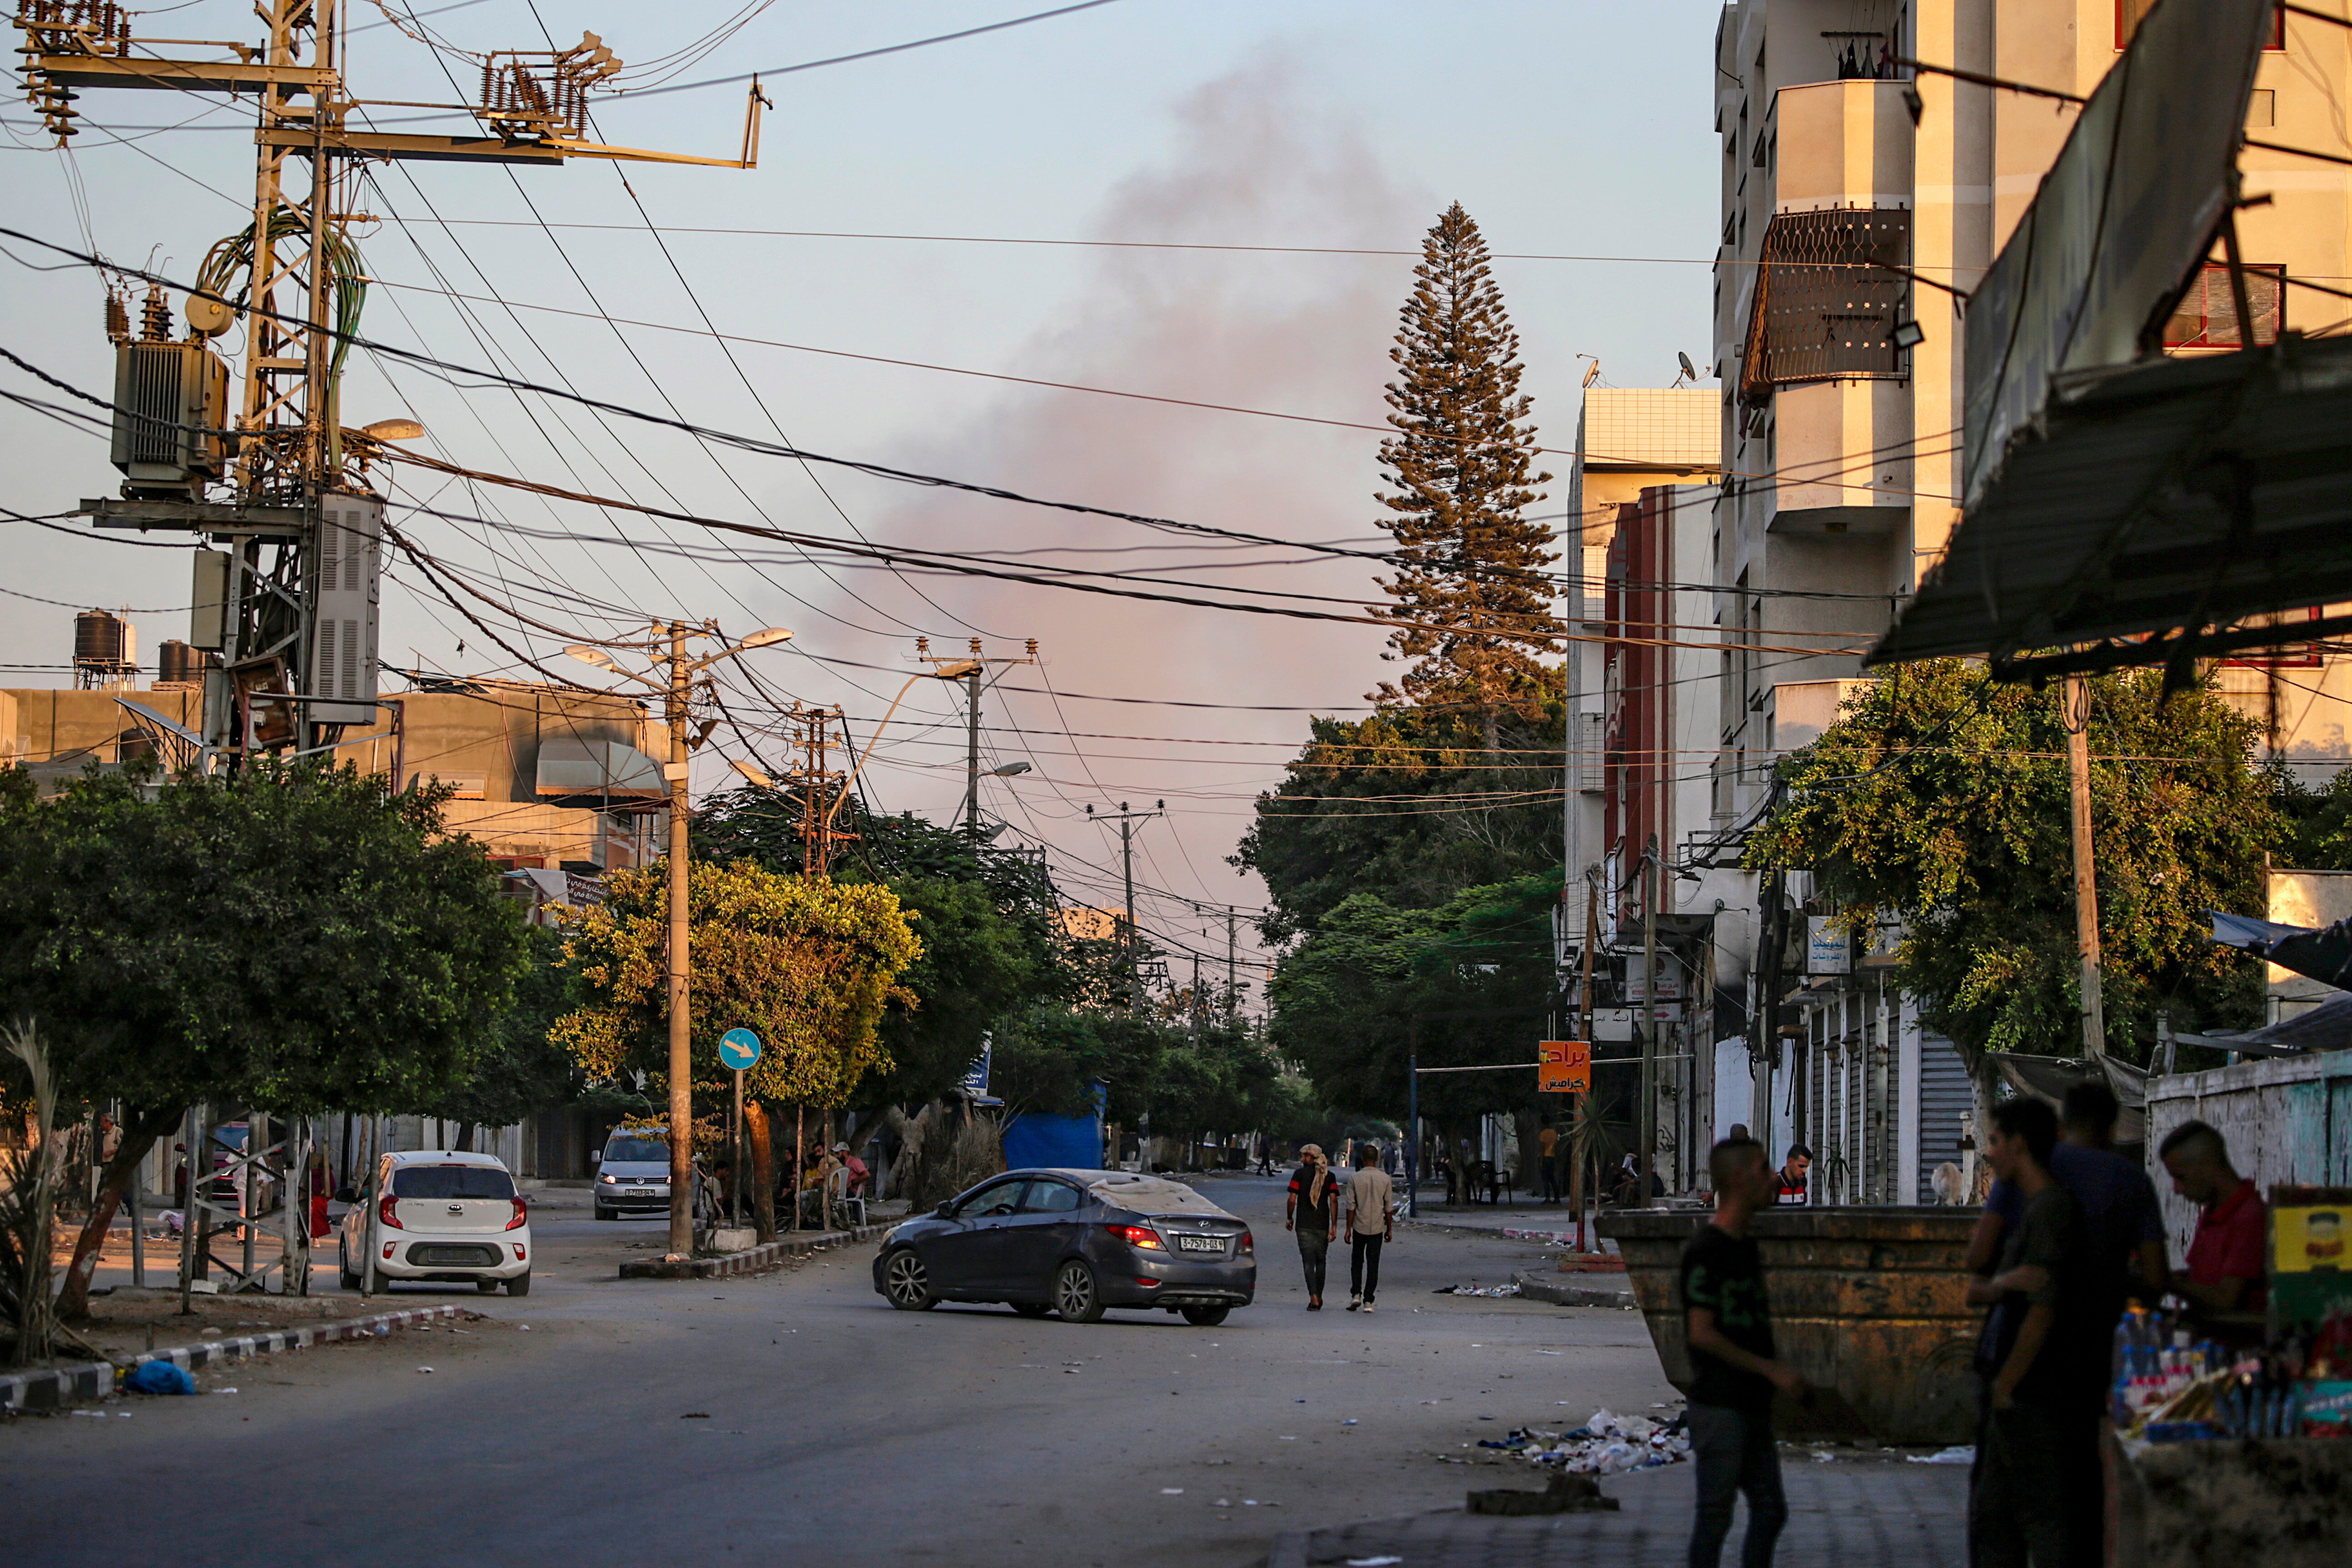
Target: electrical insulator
154, 316
1033, 647
923, 646
117, 319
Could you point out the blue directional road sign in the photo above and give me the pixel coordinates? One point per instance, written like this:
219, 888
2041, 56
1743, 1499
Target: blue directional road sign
739, 1050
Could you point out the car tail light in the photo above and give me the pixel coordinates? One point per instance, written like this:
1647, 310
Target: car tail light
517, 1246
522, 1215
387, 1252
1249, 1244
1135, 1235
387, 1211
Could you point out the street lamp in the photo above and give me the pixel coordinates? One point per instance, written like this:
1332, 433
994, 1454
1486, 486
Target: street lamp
682, 1043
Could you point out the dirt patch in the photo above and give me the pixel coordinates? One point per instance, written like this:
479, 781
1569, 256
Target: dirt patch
128, 1323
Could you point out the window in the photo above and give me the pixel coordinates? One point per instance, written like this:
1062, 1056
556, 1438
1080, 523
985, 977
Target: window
2207, 316
2129, 14
1827, 298
1050, 1197
2287, 656
1001, 1198
451, 1182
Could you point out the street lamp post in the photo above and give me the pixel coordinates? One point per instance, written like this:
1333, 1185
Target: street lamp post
676, 689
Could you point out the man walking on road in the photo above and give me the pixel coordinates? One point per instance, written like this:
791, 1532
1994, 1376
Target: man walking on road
1313, 1205
1372, 1220
1728, 1324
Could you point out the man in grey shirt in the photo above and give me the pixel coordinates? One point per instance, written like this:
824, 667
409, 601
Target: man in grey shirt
1372, 1215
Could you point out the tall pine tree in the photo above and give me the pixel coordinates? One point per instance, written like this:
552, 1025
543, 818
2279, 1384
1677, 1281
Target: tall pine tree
1472, 607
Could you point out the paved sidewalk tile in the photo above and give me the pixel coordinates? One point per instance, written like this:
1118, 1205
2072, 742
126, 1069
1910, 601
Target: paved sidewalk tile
1854, 1515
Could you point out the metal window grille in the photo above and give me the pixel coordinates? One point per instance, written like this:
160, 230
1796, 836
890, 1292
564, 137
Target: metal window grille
1827, 298
2207, 316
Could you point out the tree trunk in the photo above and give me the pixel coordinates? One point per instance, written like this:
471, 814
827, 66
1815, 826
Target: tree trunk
763, 1168
464, 1137
139, 1135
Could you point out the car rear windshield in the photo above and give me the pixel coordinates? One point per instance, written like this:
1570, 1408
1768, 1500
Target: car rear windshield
640, 1151
1157, 1197
451, 1182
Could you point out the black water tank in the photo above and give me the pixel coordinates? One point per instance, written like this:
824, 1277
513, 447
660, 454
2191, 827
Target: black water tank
177, 664
98, 639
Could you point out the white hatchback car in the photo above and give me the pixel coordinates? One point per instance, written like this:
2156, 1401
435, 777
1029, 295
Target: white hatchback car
440, 1215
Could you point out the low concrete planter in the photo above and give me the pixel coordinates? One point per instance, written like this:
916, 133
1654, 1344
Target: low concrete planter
751, 1260
1595, 1291
50, 1387
1870, 1304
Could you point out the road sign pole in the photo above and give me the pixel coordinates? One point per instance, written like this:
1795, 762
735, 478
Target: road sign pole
735, 1160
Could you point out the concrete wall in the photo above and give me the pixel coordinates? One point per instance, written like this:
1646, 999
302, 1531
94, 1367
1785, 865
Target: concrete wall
2288, 1119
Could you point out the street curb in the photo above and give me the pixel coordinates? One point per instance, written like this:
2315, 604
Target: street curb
47, 1389
751, 1260
1562, 1293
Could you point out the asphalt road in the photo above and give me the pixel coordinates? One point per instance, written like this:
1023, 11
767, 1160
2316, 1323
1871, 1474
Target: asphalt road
794, 1417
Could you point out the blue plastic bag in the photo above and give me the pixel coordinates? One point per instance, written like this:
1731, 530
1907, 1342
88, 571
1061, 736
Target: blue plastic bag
160, 1377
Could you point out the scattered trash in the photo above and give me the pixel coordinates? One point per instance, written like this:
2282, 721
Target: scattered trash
1172, 1491
210, 1333
223, 1391
524, 1327
1824, 1454
1223, 1502
1510, 1289
160, 1377
1350, 1421
1389, 1561
695, 1416
424, 1369
1958, 1454
1607, 1445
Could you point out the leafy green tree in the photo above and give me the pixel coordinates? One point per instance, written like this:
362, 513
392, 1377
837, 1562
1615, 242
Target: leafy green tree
523, 1070
1344, 997
291, 937
808, 966
1940, 796
985, 916
1409, 805
1471, 604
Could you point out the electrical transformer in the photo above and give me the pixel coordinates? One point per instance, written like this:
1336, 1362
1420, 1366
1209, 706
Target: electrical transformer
350, 566
171, 408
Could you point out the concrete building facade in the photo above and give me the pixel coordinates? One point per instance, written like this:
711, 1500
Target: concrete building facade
1841, 448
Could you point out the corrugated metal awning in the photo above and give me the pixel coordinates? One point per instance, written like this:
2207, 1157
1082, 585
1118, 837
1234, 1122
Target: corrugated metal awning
2191, 493
602, 768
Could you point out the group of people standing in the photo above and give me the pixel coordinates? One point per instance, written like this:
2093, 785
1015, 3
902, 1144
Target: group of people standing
1362, 1207
2070, 1237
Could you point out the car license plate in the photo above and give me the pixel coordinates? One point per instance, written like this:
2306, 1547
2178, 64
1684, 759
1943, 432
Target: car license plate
1200, 1244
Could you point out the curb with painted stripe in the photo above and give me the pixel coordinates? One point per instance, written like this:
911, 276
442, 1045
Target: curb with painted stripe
49, 1387
751, 1260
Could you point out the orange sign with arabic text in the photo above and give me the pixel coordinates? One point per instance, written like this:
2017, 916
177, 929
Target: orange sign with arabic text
1564, 1067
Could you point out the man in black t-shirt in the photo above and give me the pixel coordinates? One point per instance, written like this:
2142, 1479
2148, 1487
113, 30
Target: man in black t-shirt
1728, 1324
2044, 1361
1310, 1210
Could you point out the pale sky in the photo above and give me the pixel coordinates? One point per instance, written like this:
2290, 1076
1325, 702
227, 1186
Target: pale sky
1576, 128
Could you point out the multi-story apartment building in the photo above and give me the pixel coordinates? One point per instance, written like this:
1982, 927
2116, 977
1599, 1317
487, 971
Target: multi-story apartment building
1841, 403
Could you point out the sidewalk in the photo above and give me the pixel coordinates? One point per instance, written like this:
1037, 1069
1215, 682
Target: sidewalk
1552, 1224
1854, 1514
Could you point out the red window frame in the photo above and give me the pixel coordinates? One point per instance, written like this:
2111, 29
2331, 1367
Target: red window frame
2308, 658
2212, 282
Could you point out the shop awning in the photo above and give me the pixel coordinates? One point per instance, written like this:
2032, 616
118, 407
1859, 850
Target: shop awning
602, 768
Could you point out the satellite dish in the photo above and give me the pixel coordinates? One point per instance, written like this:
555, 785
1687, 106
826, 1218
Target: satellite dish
1688, 373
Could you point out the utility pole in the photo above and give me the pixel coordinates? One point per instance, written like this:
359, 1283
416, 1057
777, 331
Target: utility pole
2077, 699
1233, 975
288, 600
971, 670
667, 642
1127, 820
681, 1024
1649, 1121
1579, 1136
